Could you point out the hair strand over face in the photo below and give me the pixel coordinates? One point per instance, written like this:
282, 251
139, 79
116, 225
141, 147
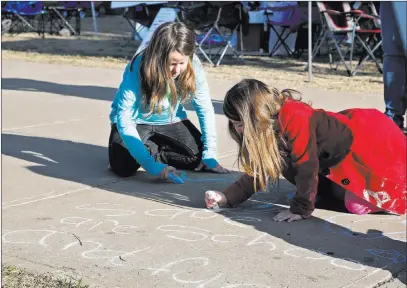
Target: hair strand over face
260, 146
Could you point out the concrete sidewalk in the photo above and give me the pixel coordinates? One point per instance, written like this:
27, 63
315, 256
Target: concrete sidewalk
65, 213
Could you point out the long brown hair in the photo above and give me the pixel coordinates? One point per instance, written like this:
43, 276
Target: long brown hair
260, 147
155, 73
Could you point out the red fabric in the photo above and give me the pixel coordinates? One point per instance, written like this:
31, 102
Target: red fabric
374, 169
377, 31
299, 128
359, 206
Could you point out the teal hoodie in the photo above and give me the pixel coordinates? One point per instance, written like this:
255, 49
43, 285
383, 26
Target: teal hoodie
128, 110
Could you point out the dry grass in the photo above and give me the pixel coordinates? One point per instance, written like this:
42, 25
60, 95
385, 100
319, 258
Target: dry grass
111, 48
13, 277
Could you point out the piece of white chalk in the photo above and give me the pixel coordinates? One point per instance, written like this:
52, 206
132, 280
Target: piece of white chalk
216, 208
212, 195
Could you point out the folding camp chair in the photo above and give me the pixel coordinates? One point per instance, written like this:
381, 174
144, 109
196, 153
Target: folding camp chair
290, 18
141, 16
367, 18
207, 19
23, 15
5, 26
62, 12
339, 21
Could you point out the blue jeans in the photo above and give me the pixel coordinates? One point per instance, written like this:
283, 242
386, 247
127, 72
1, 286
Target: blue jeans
393, 21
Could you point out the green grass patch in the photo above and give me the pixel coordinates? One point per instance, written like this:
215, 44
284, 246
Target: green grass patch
13, 277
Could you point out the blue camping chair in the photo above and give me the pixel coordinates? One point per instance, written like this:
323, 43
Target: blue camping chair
23, 15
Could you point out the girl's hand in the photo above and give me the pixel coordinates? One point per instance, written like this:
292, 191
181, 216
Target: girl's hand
218, 169
287, 215
213, 197
167, 170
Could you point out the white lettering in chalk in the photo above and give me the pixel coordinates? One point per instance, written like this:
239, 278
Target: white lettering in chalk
214, 238
177, 196
357, 266
167, 268
257, 242
353, 265
231, 221
31, 239
114, 209
81, 221
189, 262
172, 213
97, 250
77, 221
196, 232
203, 214
101, 222
99, 253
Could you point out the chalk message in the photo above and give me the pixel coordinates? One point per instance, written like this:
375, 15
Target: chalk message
83, 235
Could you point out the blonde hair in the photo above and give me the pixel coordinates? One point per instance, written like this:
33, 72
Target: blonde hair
155, 75
260, 146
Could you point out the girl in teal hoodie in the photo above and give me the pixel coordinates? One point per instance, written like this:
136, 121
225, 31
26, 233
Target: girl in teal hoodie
149, 125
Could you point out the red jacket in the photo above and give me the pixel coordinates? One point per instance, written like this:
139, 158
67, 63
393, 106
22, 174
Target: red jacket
361, 150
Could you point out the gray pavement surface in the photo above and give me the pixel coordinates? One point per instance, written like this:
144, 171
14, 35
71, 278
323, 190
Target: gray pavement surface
65, 213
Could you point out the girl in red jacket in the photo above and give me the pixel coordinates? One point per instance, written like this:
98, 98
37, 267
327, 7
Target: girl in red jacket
356, 156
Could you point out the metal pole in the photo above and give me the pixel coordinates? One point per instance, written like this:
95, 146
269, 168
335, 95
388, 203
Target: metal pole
95, 26
309, 41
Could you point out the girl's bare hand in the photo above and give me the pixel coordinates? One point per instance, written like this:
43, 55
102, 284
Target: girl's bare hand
214, 197
167, 170
287, 215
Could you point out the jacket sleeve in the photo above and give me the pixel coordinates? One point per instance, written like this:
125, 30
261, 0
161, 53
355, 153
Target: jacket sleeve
202, 104
299, 127
126, 107
240, 191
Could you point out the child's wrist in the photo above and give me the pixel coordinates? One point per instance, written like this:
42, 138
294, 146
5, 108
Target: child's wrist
223, 201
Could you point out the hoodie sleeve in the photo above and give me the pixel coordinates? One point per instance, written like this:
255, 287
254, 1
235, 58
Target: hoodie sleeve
126, 103
299, 126
202, 104
240, 191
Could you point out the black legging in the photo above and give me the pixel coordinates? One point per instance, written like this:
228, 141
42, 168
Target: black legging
178, 145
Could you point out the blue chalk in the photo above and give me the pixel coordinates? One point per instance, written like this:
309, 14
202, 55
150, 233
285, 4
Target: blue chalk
264, 206
393, 255
183, 175
291, 195
175, 178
